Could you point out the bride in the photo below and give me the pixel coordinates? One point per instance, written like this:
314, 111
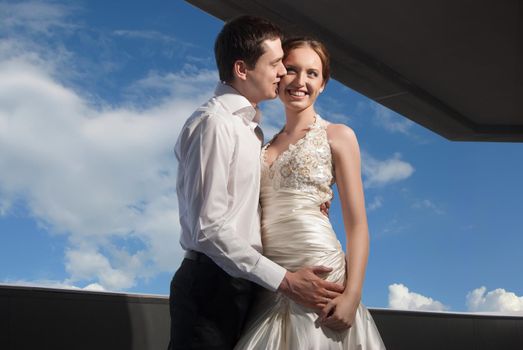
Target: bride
299, 166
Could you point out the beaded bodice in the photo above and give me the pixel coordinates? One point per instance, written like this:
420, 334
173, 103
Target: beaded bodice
305, 166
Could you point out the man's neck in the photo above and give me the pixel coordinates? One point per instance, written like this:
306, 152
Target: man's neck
242, 91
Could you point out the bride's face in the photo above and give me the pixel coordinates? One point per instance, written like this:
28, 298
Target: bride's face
304, 80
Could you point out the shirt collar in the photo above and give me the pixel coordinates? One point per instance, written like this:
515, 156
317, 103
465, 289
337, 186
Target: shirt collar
236, 103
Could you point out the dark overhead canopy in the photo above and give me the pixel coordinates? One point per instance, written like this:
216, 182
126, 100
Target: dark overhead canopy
455, 67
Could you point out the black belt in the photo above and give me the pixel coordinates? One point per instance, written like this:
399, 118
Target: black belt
197, 256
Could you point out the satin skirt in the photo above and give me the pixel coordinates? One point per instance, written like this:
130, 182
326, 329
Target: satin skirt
295, 234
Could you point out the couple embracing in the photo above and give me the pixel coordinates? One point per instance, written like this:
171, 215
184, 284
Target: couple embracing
263, 268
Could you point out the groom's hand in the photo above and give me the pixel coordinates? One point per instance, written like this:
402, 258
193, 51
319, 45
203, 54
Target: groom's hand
307, 288
324, 208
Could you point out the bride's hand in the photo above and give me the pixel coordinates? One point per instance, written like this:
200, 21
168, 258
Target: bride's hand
340, 312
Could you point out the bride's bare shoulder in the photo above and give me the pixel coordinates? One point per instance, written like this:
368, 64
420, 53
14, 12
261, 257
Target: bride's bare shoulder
341, 137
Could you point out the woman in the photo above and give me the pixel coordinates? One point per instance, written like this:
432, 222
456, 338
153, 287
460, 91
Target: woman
298, 168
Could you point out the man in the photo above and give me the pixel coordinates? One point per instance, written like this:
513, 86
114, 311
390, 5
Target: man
218, 192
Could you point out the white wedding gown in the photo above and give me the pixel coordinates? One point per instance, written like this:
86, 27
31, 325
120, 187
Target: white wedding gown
295, 234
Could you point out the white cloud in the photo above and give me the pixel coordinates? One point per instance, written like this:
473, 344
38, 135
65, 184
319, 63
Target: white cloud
84, 265
149, 35
376, 203
498, 300
52, 284
94, 287
35, 16
427, 204
144, 34
191, 83
401, 298
333, 110
390, 121
103, 176
378, 173
5, 206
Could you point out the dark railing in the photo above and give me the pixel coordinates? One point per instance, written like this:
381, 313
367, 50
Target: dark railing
43, 318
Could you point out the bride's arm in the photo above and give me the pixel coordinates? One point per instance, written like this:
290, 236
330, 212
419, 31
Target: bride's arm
340, 312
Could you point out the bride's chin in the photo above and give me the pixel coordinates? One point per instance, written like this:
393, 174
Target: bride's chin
293, 102
293, 106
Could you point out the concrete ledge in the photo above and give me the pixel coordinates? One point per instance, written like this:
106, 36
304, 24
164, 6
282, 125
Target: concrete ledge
45, 318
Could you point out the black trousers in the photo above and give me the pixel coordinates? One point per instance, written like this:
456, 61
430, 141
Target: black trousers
208, 307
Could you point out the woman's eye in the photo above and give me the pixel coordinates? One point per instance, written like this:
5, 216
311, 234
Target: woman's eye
290, 69
313, 74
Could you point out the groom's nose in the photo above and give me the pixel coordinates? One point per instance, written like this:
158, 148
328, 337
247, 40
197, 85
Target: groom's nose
281, 70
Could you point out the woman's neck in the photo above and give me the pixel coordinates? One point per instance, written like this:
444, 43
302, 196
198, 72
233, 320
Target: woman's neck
297, 121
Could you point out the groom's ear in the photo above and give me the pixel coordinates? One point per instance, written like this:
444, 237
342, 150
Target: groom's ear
239, 69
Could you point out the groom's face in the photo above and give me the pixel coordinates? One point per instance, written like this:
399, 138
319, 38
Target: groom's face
264, 77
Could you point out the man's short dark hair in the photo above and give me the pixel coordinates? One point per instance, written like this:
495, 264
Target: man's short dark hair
242, 39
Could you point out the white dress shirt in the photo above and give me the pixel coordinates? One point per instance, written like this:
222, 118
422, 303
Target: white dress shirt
218, 187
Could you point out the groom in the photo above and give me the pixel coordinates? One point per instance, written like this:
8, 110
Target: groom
218, 185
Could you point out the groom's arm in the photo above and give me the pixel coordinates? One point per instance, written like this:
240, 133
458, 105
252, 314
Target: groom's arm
209, 152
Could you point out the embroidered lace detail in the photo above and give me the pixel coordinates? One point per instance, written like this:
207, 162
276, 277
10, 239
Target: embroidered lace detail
305, 166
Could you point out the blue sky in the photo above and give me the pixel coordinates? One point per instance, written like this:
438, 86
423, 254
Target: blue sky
92, 96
